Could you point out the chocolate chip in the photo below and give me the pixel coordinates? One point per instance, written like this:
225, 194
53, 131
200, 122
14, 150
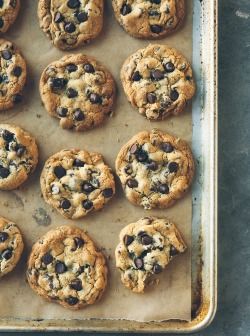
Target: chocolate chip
58, 83
73, 4
128, 240
136, 76
87, 204
7, 135
20, 150
6, 54
128, 170
163, 189
157, 74
139, 263
17, 71
4, 172
157, 269
169, 67
157, 2
134, 149
146, 240
87, 187
174, 95
125, 10
62, 111
60, 267
142, 157
188, 78
13, 3
107, 193
154, 13
7, 254
151, 98
76, 285
156, 29
152, 165
65, 203
95, 98
17, 98
78, 115
173, 251
173, 167
167, 147
79, 242
69, 27
1, 23
59, 171
58, 17
47, 259
78, 163
72, 301
165, 103
167, 10
71, 67
3, 236
88, 68
71, 93
132, 183
82, 17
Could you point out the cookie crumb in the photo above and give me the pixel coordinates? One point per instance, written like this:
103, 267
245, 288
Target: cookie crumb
5, 204
38, 115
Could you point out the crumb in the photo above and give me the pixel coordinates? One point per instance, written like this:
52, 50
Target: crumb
38, 115
40, 194
24, 200
111, 113
126, 125
5, 204
109, 257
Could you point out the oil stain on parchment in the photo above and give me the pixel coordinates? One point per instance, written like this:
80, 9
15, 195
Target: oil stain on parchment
41, 217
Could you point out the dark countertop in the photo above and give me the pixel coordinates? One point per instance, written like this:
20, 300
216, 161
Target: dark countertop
233, 313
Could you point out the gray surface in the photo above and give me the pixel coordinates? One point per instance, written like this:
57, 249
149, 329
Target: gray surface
233, 314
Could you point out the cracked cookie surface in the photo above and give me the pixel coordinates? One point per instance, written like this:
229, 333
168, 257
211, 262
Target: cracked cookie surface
76, 182
78, 90
12, 75
146, 247
11, 245
64, 267
151, 18
158, 81
155, 169
18, 156
9, 10
70, 23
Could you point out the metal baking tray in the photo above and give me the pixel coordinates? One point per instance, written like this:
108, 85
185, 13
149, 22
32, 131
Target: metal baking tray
204, 197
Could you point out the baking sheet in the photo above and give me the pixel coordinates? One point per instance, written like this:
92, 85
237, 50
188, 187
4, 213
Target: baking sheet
173, 293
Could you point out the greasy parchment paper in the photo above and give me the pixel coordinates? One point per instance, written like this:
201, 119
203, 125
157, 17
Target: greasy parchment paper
169, 295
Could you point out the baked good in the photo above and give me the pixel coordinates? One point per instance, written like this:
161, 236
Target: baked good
155, 169
64, 267
13, 75
150, 19
158, 81
9, 10
76, 182
11, 245
78, 90
145, 248
70, 23
18, 156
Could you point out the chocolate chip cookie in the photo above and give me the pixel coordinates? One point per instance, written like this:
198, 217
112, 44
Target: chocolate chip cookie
150, 19
18, 156
76, 182
70, 23
155, 169
158, 81
64, 267
8, 12
12, 75
146, 247
11, 245
78, 90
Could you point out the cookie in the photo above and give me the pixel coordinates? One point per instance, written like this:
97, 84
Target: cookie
11, 245
12, 76
152, 19
18, 156
155, 169
145, 248
64, 267
76, 182
77, 90
9, 10
70, 23
158, 81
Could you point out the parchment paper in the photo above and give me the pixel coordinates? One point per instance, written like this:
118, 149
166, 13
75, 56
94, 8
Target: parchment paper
169, 295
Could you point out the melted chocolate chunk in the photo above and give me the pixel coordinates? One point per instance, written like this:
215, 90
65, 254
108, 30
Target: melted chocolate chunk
125, 10
71, 67
70, 27
3, 236
6, 54
58, 17
139, 263
165, 103
151, 98
76, 285
47, 259
65, 203
7, 135
79, 242
82, 17
88, 68
62, 111
87, 187
169, 67
132, 183
7, 254
152, 165
174, 95
17, 98
163, 189
72, 301
128, 240
78, 115
157, 74
87, 204
60, 267
173, 167
78, 163
20, 150
58, 83
134, 149
146, 240
136, 76
173, 251
59, 171
142, 157
107, 193
71, 93
4, 172
17, 71
156, 29
157, 2
167, 147
157, 269
95, 98
73, 4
